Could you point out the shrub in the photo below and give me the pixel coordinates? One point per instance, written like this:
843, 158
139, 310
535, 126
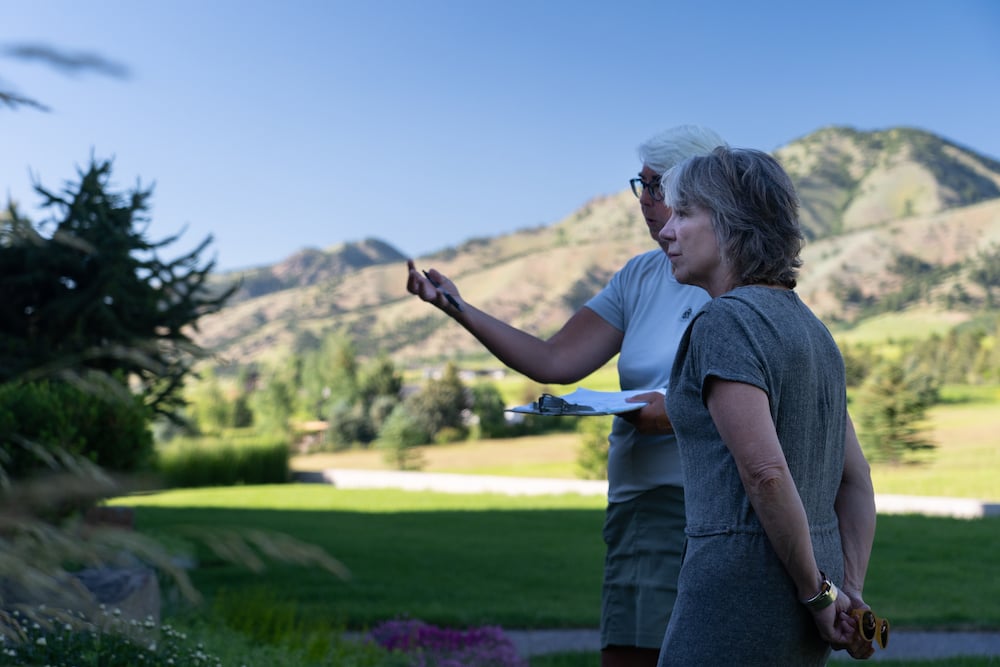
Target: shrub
191, 462
399, 439
57, 417
488, 406
592, 457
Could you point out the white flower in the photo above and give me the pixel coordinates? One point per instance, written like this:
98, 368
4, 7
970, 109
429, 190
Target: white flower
40, 641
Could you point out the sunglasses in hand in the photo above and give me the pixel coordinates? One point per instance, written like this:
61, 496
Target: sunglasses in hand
871, 627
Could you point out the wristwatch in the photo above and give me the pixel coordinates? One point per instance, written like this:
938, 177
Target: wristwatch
826, 596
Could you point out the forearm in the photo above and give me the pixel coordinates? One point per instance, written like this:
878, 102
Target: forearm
779, 508
855, 507
856, 512
583, 344
527, 354
742, 415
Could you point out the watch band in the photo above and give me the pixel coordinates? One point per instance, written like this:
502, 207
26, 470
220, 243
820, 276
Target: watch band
826, 596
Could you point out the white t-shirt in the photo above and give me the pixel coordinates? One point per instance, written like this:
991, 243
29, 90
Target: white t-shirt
646, 302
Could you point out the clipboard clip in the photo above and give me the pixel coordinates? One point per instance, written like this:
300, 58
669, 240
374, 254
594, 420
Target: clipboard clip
547, 404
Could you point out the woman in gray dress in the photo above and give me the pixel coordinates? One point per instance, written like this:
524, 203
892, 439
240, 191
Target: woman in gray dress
780, 506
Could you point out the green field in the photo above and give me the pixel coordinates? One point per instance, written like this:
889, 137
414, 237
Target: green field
912, 324
966, 463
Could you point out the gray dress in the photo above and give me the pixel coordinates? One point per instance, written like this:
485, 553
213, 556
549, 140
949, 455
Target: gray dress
736, 604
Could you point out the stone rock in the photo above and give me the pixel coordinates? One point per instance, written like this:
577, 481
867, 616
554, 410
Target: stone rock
134, 592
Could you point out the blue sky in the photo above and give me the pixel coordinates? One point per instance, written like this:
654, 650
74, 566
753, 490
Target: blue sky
277, 125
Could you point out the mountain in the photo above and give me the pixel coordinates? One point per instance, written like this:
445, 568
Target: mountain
311, 266
848, 179
880, 208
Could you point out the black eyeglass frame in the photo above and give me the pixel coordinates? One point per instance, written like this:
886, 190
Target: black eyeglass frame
638, 186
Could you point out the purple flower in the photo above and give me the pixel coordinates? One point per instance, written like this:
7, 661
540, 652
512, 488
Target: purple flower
433, 646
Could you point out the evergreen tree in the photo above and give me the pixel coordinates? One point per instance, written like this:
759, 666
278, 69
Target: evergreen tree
891, 411
95, 296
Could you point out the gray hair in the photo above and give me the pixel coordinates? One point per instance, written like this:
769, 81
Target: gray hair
754, 210
661, 152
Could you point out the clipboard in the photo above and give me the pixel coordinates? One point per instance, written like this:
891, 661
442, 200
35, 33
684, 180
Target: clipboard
583, 403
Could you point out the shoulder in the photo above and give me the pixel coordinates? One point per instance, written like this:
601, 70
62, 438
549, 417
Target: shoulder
653, 259
653, 266
726, 312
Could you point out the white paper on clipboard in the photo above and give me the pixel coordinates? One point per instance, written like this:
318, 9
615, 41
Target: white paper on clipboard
584, 402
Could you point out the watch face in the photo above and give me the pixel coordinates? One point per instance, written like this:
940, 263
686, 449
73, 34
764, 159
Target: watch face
827, 594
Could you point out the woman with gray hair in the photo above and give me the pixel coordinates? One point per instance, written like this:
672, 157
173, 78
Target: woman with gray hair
641, 314
780, 506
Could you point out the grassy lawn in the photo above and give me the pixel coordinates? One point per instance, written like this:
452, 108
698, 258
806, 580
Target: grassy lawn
521, 562
531, 456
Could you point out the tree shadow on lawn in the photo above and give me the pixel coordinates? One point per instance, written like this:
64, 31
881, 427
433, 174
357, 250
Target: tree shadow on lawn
541, 568
514, 568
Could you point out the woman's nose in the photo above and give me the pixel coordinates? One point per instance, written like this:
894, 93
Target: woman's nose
666, 232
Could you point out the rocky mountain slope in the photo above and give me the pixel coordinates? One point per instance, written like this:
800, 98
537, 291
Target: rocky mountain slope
869, 198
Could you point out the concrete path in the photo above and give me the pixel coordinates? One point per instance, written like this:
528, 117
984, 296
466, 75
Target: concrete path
903, 644
963, 508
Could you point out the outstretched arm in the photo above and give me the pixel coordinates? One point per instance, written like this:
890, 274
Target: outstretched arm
583, 344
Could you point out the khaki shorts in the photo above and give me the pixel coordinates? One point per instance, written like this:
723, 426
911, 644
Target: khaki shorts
645, 542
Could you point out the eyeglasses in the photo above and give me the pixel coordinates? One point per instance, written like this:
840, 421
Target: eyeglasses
871, 626
639, 185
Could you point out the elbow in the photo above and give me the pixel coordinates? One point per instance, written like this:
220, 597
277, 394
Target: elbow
857, 473
766, 479
555, 377
556, 371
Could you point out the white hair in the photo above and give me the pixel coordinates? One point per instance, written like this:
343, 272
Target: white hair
670, 147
